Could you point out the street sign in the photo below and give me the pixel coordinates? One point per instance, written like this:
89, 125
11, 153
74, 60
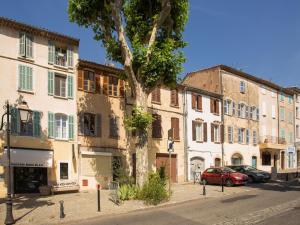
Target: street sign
170, 146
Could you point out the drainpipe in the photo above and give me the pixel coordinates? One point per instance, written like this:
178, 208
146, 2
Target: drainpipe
184, 97
222, 117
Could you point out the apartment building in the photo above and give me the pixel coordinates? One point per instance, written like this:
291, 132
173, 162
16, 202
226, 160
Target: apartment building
166, 106
258, 117
37, 67
203, 130
101, 132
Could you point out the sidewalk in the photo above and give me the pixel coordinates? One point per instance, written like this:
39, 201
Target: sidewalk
33, 209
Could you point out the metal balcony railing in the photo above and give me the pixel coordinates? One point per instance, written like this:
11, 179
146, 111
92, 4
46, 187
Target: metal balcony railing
271, 139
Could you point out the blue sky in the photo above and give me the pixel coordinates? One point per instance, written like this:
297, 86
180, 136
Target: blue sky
261, 37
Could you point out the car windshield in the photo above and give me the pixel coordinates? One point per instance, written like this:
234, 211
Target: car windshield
228, 170
249, 168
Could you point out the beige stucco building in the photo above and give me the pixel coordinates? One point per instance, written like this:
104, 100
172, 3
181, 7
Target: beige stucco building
101, 131
37, 66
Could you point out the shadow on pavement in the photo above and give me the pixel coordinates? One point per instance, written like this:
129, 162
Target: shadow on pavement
239, 198
276, 186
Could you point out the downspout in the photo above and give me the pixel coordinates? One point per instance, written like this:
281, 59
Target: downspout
222, 117
185, 134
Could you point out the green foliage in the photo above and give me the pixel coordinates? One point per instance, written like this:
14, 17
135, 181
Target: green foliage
138, 18
139, 120
154, 190
123, 178
128, 192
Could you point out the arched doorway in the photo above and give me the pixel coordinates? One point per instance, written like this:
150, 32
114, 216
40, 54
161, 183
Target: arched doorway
197, 164
254, 161
217, 162
236, 159
282, 158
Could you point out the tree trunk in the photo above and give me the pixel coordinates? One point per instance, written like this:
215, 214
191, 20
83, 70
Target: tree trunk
142, 145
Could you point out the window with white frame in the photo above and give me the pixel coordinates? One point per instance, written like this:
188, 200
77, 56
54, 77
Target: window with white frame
60, 85
230, 134
60, 56
199, 131
242, 87
241, 135
61, 126
227, 107
233, 108
247, 136
216, 133
25, 46
242, 110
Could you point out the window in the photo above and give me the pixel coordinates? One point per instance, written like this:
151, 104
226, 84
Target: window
60, 56
197, 102
215, 133
252, 114
281, 113
230, 134
282, 134
214, 106
25, 78
25, 46
233, 108
242, 110
241, 135
175, 126
199, 131
242, 87
156, 126
60, 85
247, 112
26, 128
290, 117
227, 107
155, 95
89, 124
254, 137
281, 97
266, 159
114, 126
64, 170
174, 97
61, 126
247, 136
297, 131
89, 81
257, 113
113, 86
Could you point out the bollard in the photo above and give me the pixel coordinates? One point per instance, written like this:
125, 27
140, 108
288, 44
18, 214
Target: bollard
98, 197
204, 189
222, 182
61, 210
287, 177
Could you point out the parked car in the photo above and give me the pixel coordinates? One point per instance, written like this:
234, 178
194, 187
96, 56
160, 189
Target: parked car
254, 175
230, 176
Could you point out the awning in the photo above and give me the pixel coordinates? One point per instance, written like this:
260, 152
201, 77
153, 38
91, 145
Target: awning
28, 158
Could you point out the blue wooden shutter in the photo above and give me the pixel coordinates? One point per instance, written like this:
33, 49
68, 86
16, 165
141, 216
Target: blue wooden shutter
22, 44
70, 57
71, 127
51, 52
50, 125
15, 121
70, 86
36, 124
50, 82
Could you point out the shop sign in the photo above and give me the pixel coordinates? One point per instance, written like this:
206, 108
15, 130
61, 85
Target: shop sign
291, 149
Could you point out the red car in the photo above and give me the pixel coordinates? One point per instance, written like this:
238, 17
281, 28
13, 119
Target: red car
230, 176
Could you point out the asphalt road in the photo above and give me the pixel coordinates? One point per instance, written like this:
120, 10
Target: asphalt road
264, 204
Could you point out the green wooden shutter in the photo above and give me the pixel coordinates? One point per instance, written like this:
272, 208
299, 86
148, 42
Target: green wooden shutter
70, 57
36, 124
29, 78
51, 52
50, 125
29, 47
70, 86
71, 127
21, 77
15, 121
50, 82
22, 44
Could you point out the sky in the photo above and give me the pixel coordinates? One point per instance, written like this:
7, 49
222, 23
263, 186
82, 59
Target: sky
260, 37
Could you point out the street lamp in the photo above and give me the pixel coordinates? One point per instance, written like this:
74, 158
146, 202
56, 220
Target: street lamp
24, 114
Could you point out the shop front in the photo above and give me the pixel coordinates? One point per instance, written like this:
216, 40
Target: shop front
30, 168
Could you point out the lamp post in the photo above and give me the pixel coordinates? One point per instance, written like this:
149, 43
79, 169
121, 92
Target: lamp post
23, 109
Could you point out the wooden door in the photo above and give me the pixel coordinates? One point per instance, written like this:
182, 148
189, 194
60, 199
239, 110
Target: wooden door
282, 158
162, 160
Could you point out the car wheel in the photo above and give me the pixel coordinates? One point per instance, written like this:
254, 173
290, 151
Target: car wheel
250, 179
204, 182
229, 183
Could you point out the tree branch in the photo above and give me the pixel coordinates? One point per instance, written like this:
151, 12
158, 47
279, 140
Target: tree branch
126, 53
164, 13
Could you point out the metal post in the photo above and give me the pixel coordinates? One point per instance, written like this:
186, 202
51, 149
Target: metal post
9, 214
204, 189
61, 210
98, 197
222, 177
170, 172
